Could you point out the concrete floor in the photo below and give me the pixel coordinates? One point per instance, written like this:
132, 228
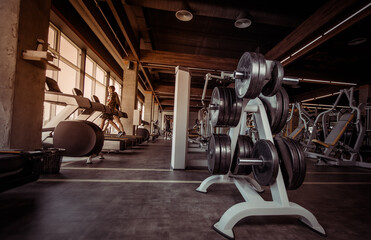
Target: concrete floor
135, 195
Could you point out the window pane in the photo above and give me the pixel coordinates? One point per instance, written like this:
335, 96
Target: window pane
99, 75
66, 78
111, 82
88, 87
49, 73
46, 117
100, 91
51, 37
89, 67
68, 51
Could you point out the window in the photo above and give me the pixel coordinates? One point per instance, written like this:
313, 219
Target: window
95, 80
68, 58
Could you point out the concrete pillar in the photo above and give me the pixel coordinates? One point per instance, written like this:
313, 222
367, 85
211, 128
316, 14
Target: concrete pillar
129, 95
155, 111
180, 122
148, 102
22, 82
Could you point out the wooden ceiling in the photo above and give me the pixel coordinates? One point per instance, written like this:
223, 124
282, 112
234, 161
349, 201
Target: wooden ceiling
147, 31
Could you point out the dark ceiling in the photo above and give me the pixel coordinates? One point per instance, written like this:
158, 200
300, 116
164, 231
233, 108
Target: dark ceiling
151, 35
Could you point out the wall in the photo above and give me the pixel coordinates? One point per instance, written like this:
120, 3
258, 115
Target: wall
23, 82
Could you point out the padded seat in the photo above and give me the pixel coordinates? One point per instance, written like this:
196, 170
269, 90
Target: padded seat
337, 131
18, 168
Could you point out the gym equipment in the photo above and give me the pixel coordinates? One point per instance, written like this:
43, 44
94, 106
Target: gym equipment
277, 107
336, 149
225, 108
305, 123
228, 153
143, 133
79, 139
292, 161
255, 75
19, 167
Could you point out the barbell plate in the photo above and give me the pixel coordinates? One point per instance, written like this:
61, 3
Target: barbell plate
249, 146
302, 163
275, 81
241, 146
223, 153
213, 156
227, 142
285, 161
273, 107
238, 109
217, 99
278, 113
294, 156
285, 109
262, 72
249, 66
266, 173
227, 106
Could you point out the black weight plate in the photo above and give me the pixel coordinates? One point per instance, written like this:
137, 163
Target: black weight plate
285, 109
239, 104
227, 106
239, 151
213, 156
294, 161
303, 165
273, 108
223, 154
278, 113
217, 115
285, 162
249, 146
262, 71
275, 82
266, 173
249, 65
227, 142
232, 117
214, 113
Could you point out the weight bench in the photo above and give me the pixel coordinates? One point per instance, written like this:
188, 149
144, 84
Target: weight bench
297, 131
336, 133
19, 167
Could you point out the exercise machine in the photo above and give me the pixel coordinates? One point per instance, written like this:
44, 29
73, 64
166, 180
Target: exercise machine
342, 142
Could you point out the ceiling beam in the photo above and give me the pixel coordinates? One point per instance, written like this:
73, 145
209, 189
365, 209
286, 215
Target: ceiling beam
120, 15
170, 90
173, 59
328, 12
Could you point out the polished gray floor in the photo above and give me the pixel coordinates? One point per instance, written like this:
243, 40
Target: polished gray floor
135, 195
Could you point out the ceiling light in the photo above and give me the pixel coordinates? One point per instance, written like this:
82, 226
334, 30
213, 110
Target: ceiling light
357, 41
242, 23
184, 15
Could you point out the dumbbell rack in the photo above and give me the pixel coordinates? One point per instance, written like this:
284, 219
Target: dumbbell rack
254, 204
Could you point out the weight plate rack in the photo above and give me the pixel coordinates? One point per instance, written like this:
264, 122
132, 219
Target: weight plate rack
278, 163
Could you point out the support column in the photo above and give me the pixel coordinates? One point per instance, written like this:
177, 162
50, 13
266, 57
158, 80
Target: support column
155, 112
148, 100
180, 121
129, 95
22, 82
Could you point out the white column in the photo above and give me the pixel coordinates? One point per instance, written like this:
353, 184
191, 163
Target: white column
180, 119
